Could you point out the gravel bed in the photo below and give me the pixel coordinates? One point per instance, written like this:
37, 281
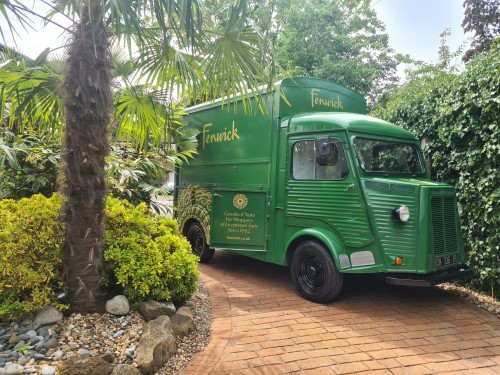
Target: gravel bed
92, 335
487, 303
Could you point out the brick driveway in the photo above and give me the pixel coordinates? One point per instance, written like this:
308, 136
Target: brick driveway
262, 326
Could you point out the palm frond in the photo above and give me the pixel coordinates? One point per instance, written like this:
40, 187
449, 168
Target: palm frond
168, 66
235, 61
127, 19
139, 116
11, 11
122, 64
32, 96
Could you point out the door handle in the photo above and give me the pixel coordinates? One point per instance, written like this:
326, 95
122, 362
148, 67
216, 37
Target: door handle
349, 187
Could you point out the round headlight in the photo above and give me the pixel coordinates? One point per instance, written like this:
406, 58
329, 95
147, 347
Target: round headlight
402, 213
460, 209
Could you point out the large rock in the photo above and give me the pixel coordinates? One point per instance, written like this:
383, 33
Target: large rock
156, 346
118, 305
183, 322
46, 316
152, 309
184, 310
85, 366
125, 370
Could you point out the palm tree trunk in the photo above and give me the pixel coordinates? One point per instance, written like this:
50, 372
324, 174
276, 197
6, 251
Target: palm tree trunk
88, 108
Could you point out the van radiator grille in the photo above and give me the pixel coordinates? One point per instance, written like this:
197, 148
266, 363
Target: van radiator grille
443, 225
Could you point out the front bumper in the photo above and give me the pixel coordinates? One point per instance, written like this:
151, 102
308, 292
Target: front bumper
429, 279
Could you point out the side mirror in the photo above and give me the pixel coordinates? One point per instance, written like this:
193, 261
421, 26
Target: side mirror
327, 151
324, 147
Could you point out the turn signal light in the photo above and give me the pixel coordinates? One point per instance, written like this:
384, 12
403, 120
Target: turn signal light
398, 261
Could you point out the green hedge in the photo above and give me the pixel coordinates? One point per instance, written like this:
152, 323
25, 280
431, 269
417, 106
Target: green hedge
461, 115
145, 257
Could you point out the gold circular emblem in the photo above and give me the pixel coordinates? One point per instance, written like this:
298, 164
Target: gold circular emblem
240, 201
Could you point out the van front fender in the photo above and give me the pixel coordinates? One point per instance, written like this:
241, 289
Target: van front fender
329, 239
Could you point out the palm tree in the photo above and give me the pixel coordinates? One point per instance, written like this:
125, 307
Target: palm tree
174, 30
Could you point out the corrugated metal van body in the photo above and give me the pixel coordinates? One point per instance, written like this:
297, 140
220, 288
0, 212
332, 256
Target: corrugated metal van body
396, 239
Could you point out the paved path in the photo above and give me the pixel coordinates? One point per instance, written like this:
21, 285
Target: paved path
262, 326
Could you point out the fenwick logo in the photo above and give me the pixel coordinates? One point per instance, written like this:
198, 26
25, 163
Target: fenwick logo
224, 136
317, 100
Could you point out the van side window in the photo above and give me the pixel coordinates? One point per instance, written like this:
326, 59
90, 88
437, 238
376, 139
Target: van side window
306, 165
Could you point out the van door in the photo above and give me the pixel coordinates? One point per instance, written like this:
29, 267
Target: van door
239, 219
322, 189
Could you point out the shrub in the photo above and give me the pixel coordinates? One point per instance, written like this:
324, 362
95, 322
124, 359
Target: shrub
146, 255
31, 235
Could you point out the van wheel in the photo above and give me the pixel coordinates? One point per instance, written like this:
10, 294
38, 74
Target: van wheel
199, 247
314, 273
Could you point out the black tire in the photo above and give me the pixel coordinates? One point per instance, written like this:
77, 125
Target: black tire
314, 273
199, 247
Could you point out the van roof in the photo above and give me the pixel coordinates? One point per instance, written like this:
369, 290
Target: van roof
294, 95
352, 122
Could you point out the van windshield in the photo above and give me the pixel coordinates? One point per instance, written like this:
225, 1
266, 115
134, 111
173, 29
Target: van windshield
382, 156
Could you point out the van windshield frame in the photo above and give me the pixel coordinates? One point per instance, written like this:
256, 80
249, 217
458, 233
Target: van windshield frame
389, 157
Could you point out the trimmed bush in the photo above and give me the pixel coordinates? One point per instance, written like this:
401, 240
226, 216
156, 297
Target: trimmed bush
145, 257
31, 236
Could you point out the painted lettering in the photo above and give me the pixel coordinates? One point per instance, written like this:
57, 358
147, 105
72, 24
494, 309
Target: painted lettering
239, 223
224, 136
317, 100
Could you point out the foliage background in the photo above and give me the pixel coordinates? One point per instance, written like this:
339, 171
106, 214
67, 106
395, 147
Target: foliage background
29, 164
339, 40
460, 115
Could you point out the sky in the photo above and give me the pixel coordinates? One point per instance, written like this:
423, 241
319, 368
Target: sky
413, 27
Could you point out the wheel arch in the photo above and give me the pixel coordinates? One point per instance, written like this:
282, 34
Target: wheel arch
194, 204
329, 240
187, 224
198, 217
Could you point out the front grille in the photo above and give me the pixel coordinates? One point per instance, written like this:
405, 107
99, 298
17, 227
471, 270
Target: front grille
444, 227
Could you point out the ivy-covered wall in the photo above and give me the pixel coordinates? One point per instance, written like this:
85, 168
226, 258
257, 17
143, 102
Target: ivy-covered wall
460, 113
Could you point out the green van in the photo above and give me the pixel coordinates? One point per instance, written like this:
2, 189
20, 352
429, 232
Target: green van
315, 184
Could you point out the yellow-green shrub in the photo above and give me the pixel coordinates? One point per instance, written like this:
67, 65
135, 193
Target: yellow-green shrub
146, 254
31, 239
